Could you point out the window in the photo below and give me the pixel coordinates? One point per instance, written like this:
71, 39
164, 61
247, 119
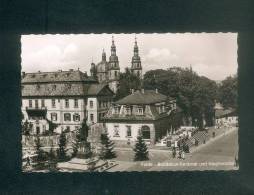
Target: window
44, 127
30, 103
66, 103
42, 103
76, 117
53, 103
53, 116
116, 131
91, 117
115, 73
140, 111
36, 104
91, 104
75, 103
145, 130
128, 110
67, 117
128, 132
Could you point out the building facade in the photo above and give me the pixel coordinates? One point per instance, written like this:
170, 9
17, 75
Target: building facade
63, 98
144, 112
109, 71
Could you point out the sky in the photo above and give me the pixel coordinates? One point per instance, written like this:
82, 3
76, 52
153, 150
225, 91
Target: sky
213, 55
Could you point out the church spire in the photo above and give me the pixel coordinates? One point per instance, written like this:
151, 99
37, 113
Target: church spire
136, 67
113, 47
103, 55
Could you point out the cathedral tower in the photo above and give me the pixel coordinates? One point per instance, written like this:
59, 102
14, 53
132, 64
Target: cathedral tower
136, 67
113, 68
93, 71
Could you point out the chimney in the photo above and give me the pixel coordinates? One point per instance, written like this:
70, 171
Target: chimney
156, 90
142, 90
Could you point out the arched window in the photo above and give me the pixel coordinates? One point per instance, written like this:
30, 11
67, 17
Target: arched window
145, 132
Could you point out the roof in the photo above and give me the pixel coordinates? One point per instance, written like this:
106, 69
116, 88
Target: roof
60, 76
95, 89
57, 89
146, 97
224, 113
63, 89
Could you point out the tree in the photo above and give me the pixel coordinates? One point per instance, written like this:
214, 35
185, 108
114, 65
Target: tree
228, 92
38, 150
26, 128
195, 94
141, 152
81, 136
107, 147
62, 147
127, 81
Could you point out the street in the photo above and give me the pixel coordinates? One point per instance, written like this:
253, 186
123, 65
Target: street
218, 154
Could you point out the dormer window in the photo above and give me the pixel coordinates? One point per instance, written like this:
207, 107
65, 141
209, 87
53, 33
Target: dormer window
127, 110
140, 111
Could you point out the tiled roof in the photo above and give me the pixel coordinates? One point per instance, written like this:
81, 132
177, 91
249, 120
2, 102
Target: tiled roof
61, 89
59, 76
138, 97
57, 89
94, 89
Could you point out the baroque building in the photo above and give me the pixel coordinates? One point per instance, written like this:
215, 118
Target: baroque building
64, 98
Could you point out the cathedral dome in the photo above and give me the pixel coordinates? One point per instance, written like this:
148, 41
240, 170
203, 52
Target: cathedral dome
102, 66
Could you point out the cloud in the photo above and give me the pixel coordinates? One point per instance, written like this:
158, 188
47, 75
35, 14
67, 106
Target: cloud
214, 71
46, 58
160, 55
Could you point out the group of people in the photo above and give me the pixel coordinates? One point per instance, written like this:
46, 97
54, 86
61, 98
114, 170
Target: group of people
181, 154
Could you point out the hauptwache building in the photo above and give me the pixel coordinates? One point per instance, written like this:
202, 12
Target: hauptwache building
145, 112
64, 98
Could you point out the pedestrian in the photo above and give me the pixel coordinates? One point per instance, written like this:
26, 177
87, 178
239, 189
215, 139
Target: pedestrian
180, 154
236, 161
28, 161
174, 152
183, 157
